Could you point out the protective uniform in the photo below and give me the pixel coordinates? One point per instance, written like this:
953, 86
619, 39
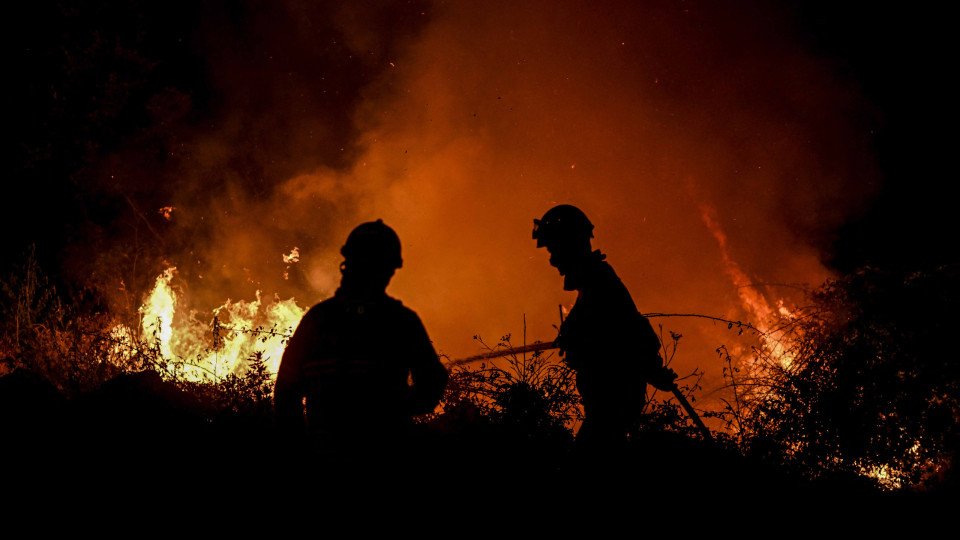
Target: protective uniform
612, 347
353, 356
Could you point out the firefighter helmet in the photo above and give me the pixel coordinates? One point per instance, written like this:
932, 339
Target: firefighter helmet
564, 222
373, 242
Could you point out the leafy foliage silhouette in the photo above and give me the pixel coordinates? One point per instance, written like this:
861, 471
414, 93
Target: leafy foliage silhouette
861, 382
531, 395
865, 381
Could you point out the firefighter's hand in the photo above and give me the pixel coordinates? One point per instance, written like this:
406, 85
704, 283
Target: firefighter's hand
558, 343
662, 378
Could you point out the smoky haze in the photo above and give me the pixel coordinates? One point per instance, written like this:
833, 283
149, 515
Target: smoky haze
711, 149
646, 119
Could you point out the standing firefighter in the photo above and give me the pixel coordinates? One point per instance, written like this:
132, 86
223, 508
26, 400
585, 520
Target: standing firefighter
612, 347
353, 356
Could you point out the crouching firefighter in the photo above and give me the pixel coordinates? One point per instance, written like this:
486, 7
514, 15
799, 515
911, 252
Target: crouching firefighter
611, 346
361, 360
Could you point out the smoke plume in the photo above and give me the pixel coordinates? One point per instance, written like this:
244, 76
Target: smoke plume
457, 123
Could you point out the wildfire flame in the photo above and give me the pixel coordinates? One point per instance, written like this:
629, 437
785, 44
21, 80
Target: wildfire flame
291, 258
204, 347
774, 341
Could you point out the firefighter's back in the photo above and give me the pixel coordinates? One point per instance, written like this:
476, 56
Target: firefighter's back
356, 378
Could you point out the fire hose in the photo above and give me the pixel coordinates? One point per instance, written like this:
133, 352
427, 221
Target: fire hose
545, 346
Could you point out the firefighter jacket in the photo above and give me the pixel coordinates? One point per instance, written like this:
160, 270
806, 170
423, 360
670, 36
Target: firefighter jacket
612, 347
364, 365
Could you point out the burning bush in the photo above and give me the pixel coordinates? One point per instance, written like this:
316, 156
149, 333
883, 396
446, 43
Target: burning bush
223, 368
872, 385
863, 383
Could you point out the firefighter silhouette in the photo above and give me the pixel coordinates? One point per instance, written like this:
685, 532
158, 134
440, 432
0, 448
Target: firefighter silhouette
362, 360
611, 346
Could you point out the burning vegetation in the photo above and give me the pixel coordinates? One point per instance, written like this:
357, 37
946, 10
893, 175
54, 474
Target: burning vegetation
204, 347
191, 169
854, 386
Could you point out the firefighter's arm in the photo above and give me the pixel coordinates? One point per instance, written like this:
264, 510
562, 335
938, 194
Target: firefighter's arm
658, 375
663, 378
428, 373
560, 344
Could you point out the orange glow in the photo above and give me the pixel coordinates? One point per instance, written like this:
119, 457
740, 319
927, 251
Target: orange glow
762, 316
712, 152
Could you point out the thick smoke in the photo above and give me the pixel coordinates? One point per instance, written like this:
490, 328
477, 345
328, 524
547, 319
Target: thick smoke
214, 113
643, 118
458, 123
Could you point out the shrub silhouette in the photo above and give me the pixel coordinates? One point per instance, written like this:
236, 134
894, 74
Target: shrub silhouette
873, 385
